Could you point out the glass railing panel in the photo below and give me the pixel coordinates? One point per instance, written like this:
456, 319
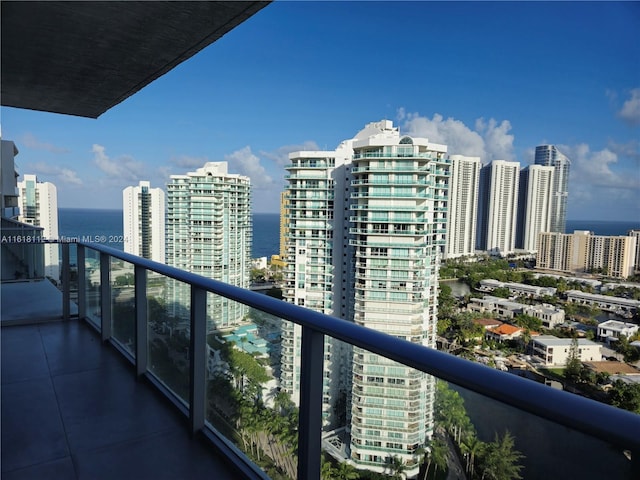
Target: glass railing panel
168, 313
22, 251
73, 274
92, 286
244, 400
384, 417
123, 306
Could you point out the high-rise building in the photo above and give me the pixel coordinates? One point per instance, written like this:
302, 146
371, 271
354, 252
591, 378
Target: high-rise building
582, 251
38, 205
636, 234
367, 228
497, 207
463, 206
8, 184
209, 232
550, 156
143, 219
535, 195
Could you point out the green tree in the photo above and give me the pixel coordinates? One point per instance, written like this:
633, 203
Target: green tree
472, 446
499, 459
326, 469
625, 395
574, 365
396, 467
438, 455
344, 471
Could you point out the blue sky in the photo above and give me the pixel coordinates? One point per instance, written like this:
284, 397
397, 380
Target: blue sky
492, 79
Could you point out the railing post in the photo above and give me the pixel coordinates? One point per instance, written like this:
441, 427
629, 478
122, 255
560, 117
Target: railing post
197, 358
105, 295
66, 279
311, 384
142, 331
82, 281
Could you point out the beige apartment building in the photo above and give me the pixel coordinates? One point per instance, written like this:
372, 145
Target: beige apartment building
582, 251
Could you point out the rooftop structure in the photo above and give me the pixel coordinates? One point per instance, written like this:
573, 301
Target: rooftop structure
612, 330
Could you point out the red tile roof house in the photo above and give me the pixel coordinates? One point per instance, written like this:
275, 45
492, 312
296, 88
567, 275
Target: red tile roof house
504, 332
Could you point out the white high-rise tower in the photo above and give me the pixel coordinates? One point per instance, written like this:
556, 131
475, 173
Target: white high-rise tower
209, 232
38, 205
497, 212
463, 206
367, 227
534, 212
143, 219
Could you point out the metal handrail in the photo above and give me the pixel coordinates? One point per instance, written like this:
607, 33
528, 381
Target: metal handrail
616, 426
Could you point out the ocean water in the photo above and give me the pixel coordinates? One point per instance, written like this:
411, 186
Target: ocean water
105, 227
602, 227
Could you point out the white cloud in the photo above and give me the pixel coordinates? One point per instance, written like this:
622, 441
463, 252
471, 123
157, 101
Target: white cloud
630, 111
596, 169
600, 185
243, 161
123, 168
281, 155
30, 141
185, 161
489, 140
55, 174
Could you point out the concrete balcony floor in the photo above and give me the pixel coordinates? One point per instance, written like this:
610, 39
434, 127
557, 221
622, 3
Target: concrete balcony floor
73, 409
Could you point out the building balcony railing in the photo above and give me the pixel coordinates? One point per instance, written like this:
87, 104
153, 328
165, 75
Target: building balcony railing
168, 343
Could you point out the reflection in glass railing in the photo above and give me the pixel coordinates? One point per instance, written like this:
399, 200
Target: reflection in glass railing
470, 435
168, 313
92, 286
244, 402
123, 308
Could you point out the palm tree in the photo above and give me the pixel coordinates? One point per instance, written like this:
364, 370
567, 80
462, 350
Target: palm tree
345, 472
326, 469
472, 446
396, 467
439, 455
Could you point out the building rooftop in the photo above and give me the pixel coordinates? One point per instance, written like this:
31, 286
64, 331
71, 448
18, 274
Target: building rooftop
551, 341
612, 368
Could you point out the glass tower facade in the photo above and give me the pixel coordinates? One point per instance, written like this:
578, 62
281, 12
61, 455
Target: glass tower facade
209, 232
550, 156
367, 229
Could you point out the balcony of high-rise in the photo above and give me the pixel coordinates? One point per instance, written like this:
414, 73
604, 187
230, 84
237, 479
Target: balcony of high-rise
103, 378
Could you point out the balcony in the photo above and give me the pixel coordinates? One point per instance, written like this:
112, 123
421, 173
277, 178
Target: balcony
85, 396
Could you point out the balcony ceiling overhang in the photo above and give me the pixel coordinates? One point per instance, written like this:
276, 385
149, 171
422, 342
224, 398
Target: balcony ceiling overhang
82, 58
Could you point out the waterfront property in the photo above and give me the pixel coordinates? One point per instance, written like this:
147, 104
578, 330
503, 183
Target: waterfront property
611, 330
555, 352
605, 302
521, 289
549, 315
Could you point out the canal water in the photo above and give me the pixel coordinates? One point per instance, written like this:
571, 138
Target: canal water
551, 451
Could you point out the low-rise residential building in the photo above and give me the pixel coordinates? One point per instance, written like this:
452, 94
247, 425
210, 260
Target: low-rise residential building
612, 330
554, 351
500, 306
487, 322
521, 289
605, 302
548, 314
504, 332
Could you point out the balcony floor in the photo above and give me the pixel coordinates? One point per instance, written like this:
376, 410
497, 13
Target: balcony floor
73, 409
